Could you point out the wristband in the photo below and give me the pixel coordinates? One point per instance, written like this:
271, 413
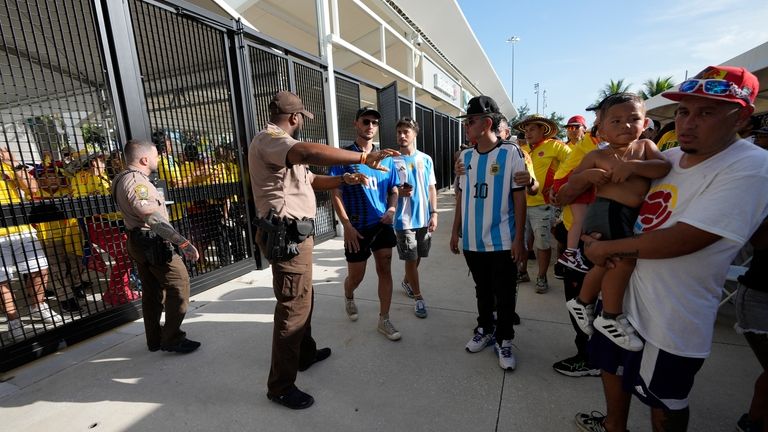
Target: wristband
19, 167
183, 245
530, 183
363, 157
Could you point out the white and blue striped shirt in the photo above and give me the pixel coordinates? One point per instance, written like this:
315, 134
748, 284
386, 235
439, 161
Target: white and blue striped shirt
418, 171
487, 207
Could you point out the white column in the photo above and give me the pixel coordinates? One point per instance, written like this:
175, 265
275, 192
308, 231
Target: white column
324, 32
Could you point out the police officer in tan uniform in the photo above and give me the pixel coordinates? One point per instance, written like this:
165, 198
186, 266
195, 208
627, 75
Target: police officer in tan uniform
283, 187
152, 243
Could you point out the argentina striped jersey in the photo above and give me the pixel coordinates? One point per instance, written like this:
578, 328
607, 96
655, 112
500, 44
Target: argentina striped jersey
487, 207
418, 171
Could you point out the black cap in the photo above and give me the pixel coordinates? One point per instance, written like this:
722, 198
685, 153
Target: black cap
367, 111
480, 105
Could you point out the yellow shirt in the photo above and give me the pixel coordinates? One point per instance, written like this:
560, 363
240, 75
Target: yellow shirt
9, 194
85, 184
52, 230
546, 156
578, 151
668, 141
172, 175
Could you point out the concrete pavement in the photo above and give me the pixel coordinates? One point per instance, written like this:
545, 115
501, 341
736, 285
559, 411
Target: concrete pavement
424, 382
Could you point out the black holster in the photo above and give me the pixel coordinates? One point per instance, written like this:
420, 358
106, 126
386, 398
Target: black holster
281, 236
157, 250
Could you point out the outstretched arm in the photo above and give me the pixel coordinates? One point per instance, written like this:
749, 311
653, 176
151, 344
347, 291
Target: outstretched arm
320, 154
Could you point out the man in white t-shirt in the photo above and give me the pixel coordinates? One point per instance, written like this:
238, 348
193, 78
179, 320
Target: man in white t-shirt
687, 234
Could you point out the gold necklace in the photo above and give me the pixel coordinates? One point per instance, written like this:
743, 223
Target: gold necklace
616, 154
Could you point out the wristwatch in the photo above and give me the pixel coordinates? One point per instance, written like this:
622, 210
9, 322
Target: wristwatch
19, 167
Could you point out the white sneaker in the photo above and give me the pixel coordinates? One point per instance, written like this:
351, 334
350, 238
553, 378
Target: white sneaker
479, 341
583, 314
16, 329
507, 359
351, 308
387, 329
620, 332
44, 313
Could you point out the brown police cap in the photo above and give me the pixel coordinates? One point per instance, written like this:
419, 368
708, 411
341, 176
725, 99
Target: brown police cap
285, 102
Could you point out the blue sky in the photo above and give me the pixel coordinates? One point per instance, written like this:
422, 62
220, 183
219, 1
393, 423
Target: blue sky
574, 47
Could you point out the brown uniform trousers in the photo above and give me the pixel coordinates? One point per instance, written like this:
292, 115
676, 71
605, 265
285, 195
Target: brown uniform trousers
169, 280
292, 343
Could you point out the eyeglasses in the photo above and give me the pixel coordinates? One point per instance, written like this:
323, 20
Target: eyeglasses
368, 122
715, 87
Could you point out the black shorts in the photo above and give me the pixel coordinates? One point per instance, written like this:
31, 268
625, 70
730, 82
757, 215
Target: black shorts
611, 219
658, 378
375, 237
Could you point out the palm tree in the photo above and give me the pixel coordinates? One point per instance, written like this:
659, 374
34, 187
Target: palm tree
653, 87
613, 87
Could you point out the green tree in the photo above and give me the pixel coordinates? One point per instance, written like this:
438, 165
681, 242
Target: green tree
613, 87
559, 121
522, 112
653, 87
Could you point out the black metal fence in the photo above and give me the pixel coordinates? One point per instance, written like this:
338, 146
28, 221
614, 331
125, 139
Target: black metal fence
80, 77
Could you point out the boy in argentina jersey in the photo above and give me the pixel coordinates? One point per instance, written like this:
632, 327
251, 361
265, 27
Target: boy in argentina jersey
490, 215
367, 213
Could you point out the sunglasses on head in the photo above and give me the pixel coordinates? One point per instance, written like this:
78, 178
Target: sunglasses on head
715, 87
368, 122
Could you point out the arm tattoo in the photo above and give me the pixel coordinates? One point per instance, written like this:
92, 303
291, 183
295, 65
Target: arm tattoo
628, 254
164, 229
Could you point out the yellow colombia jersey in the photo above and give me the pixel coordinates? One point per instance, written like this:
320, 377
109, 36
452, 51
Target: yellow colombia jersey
668, 141
84, 184
578, 151
172, 175
65, 230
546, 156
9, 194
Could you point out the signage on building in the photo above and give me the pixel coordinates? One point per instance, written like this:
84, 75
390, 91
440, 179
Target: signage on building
439, 83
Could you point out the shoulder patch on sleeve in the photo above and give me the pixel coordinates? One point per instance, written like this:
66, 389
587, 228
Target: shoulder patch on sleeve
142, 192
275, 132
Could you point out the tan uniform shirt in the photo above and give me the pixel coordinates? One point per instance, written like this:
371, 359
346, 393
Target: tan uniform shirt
287, 189
138, 198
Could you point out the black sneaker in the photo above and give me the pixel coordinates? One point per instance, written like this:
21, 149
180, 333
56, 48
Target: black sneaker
294, 399
559, 271
575, 366
320, 355
186, 346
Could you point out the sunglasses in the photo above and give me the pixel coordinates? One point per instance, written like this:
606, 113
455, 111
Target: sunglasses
368, 122
471, 121
715, 87
571, 128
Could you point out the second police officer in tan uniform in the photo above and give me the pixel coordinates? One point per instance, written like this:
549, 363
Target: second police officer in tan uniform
152, 243
283, 192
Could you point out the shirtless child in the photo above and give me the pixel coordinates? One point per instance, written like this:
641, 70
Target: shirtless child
621, 174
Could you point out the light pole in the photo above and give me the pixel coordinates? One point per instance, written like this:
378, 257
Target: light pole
512, 40
536, 90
